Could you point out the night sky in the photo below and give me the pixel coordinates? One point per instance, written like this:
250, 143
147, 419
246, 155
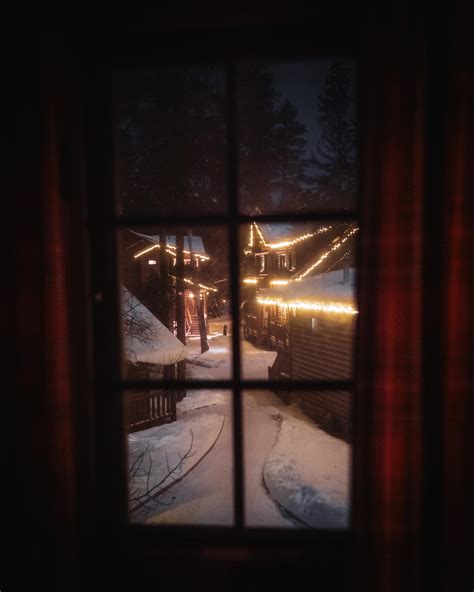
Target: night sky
301, 83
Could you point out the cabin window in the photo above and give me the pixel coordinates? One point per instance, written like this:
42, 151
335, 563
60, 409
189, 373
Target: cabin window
282, 261
261, 263
205, 433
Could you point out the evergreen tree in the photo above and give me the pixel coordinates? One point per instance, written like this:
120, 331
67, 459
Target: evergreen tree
256, 128
335, 156
289, 161
171, 141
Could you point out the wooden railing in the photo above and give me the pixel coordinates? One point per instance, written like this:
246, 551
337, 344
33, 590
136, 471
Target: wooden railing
148, 409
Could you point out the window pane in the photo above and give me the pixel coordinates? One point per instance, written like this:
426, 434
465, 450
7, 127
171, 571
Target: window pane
297, 458
180, 465
298, 309
170, 134
297, 136
175, 313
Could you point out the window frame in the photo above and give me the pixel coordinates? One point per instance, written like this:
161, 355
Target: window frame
102, 227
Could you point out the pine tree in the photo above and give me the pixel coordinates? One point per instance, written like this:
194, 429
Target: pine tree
256, 128
290, 163
171, 141
335, 156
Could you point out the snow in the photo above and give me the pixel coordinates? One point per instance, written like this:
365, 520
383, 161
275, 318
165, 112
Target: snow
326, 287
169, 452
317, 494
159, 345
295, 475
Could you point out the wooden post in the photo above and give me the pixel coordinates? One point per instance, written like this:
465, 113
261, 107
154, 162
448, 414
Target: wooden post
200, 302
168, 371
180, 306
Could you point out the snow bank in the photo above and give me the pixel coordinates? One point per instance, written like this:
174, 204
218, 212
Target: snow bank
202, 398
307, 472
157, 345
170, 451
327, 286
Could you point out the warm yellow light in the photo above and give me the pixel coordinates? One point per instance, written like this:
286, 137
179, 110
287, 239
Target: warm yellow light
260, 233
146, 251
324, 255
317, 306
169, 249
250, 280
251, 236
289, 242
188, 281
208, 288
279, 282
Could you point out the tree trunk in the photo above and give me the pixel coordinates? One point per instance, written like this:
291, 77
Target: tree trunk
180, 306
202, 322
197, 295
168, 371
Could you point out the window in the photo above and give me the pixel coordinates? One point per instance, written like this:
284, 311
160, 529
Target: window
202, 227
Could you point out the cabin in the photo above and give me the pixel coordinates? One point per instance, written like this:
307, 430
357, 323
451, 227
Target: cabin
279, 254
318, 317
148, 349
303, 307
142, 268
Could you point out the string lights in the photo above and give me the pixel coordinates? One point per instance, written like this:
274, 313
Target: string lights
169, 250
285, 242
279, 282
324, 255
250, 280
317, 306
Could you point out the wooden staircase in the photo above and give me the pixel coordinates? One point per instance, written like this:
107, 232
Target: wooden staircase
192, 319
193, 328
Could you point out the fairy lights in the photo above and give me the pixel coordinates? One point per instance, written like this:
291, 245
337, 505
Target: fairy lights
315, 306
200, 285
279, 282
250, 280
336, 246
285, 242
260, 234
170, 250
146, 251
188, 281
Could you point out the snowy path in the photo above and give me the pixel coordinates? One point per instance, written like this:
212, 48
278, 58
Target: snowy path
204, 496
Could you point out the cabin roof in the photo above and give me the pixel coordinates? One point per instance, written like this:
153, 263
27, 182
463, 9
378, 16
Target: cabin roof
279, 232
159, 345
325, 287
196, 242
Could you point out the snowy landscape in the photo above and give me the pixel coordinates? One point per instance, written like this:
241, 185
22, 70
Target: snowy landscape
296, 475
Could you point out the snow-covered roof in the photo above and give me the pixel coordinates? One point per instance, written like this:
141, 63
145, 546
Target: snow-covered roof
327, 287
277, 232
145, 338
196, 242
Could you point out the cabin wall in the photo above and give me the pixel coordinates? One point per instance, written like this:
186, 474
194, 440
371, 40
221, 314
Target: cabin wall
322, 348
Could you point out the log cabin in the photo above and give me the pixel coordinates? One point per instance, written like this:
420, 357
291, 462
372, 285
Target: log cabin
142, 267
150, 350
303, 307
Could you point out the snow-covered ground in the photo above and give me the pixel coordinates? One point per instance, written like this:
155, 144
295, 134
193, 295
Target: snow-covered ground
296, 475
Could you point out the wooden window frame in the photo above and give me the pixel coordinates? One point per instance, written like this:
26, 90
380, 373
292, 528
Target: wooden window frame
333, 546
